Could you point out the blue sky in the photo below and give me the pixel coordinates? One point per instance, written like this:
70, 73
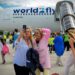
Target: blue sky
27, 3
13, 3
4, 5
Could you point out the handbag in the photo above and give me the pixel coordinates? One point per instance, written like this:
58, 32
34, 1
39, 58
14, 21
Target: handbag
5, 49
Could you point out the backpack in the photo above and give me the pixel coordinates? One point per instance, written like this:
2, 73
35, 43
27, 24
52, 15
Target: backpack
33, 61
32, 58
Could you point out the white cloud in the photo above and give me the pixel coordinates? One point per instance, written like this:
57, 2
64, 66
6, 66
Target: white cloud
30, 3
36, 3
12, 3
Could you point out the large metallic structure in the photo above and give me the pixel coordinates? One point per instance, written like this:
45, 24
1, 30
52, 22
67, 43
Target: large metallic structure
65, 14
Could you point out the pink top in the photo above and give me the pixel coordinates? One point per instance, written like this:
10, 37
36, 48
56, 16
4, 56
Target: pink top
43, 49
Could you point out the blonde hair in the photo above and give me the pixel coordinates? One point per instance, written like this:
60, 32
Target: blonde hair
40, 31
30, 33
71, 32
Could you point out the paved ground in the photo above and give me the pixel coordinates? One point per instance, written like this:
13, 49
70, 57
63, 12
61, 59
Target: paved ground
8, 69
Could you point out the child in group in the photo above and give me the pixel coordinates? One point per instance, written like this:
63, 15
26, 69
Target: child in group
4, 50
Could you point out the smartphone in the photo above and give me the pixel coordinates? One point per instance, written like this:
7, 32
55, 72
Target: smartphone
24, 26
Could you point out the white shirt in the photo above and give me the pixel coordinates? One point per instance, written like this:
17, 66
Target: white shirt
20, 54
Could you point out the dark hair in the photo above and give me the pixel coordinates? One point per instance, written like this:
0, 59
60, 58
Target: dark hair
2, 41
16, 30
58, 33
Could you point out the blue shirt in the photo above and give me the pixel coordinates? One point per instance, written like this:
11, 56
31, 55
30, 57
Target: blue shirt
15, 37
59, 45
20, 54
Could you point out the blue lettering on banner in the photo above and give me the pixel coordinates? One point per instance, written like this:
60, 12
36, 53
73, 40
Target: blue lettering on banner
34, 11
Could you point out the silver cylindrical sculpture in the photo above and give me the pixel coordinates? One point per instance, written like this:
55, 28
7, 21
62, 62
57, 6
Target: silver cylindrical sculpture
67, 16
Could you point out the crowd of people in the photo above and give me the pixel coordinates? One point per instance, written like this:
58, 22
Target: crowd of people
44, 42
